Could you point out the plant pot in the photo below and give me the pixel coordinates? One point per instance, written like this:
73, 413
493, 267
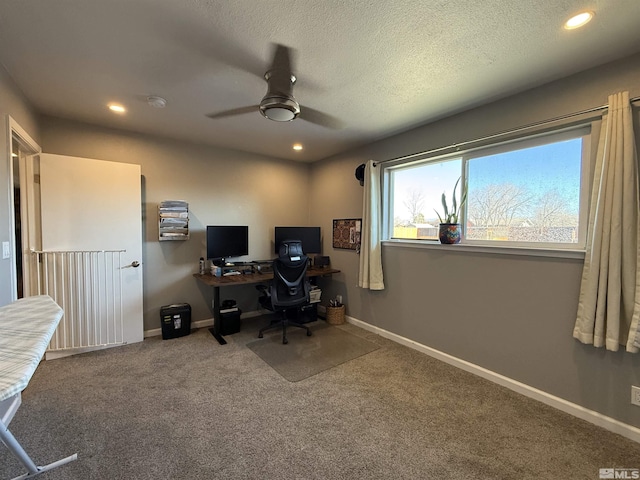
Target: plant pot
449, 233
335, 315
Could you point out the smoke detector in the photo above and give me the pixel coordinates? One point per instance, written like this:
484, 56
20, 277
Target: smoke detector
156, 101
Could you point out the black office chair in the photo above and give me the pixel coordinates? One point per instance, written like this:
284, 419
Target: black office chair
289, 289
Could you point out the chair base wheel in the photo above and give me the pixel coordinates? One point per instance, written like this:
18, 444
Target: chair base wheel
283, 323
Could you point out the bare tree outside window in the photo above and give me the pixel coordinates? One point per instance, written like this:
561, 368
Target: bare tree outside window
552, 209
553, 219
498, 205
415, 204
509, 212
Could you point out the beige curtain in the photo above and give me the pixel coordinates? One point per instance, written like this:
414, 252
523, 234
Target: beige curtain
608, 308
370, 247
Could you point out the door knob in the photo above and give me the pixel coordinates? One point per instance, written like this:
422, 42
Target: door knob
135, 264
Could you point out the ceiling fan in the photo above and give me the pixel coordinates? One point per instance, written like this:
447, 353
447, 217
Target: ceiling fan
279, 104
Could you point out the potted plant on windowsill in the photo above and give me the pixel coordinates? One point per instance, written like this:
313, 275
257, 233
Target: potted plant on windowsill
450, 231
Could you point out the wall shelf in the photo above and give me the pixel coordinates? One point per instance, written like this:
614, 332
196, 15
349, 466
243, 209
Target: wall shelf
173, 220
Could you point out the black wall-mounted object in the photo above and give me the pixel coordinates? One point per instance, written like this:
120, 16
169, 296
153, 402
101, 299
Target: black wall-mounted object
360, 173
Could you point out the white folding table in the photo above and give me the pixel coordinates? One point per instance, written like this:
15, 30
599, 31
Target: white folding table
26, 328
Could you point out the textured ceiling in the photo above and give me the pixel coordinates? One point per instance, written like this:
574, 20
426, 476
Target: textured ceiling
378, 66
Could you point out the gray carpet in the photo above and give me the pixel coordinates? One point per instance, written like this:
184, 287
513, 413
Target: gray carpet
304, 356
189, 408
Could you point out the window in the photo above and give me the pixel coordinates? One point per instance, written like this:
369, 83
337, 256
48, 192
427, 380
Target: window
528, 192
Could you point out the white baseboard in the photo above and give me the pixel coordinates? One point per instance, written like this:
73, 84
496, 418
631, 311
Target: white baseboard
608, 423
155, 332
68, 352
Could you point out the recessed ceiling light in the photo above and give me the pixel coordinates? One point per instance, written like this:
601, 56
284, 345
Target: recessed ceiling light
114, 107
578, 20
297, 147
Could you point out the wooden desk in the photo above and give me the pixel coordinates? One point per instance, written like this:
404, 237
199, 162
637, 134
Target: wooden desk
244, 279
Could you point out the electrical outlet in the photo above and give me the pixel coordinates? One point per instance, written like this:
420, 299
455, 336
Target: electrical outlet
635, 395
6, 253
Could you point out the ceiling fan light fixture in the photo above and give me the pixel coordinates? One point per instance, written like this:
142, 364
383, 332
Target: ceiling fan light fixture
279, 109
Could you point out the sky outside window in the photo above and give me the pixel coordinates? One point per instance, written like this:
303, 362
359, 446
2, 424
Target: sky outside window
420, 188
554, 167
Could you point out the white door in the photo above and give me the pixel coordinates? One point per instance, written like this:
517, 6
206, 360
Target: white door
93, 206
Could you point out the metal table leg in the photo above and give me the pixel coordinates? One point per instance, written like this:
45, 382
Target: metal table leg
14, 447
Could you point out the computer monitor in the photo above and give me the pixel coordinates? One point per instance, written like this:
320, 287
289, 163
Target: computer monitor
226, 241
309, 236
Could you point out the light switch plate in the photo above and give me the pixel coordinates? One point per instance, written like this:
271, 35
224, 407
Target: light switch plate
5, 250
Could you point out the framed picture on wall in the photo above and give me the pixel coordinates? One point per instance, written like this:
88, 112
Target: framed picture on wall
346, 233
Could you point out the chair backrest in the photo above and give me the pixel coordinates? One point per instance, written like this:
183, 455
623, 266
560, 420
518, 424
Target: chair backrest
290, 286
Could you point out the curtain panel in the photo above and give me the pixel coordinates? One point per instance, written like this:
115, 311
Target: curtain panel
608, 305
370, 274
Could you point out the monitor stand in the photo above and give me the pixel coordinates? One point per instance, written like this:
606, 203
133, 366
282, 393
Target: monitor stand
223, 262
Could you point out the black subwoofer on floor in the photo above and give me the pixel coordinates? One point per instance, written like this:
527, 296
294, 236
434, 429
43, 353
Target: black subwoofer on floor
230, 322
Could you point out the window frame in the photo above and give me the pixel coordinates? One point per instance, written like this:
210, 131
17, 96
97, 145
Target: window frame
584, 130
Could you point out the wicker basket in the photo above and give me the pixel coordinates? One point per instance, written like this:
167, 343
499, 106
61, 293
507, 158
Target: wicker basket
335, 315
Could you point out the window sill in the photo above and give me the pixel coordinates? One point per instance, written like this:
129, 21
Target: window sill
499, 250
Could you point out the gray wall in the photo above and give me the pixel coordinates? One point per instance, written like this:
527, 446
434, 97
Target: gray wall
222, 187
513, 315
12, 103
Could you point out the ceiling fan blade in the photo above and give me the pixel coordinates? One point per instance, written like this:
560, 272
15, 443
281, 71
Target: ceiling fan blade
282, 59
320, 118
234, 111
